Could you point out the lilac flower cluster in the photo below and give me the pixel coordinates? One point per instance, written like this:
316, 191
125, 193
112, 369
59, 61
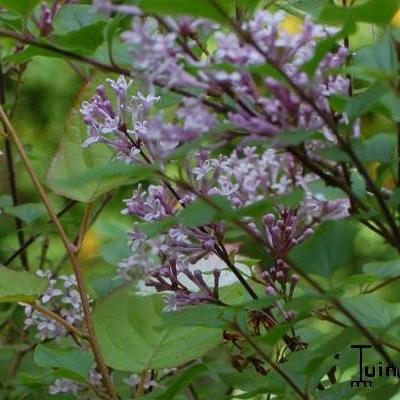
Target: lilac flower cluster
124, 126
79, 390
244, 178
261, 110
166, 279
281, 283
61, 295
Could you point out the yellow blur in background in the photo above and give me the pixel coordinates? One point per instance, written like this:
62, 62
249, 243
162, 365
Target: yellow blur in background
90, 246
292, 24
396, 19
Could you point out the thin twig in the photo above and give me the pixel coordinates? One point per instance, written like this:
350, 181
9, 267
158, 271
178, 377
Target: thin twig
301, 394
102, 66
33, 238
43, 253
12, 180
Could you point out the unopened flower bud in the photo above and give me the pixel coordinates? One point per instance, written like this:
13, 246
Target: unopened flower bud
269, 219
270, 291
290, 316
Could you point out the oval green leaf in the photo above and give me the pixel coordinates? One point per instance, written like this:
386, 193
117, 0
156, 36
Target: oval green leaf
131, 334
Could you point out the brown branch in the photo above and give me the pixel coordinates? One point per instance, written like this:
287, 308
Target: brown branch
74, 260
54, 316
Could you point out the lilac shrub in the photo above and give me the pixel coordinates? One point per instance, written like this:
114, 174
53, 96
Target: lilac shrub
259, 219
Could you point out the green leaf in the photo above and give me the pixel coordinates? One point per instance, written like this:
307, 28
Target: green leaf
29, 52
75, 361
110, 171
205, 316
199, 8
132, 336
200, 212
296, 137
371, 12
319, 189
360, 104
383, 269
380, 147
28, 212
78, 28
152, 229
178, 383
379, 57
328, 249
310, 7
21, 7
72, 160
73, 17
371, 310
20, 285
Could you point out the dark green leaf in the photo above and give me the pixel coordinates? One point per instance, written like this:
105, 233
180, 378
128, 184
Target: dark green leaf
380, 57
383, 269
199, 8
21, 7
370, 12
178, 383
371, 310
360, 104
328, 249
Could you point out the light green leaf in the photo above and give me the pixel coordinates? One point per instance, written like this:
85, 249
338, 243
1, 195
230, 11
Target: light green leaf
75, 361
20, 285
132, 336
110, 171
28, 212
